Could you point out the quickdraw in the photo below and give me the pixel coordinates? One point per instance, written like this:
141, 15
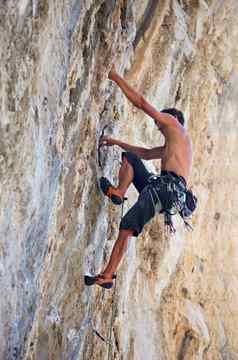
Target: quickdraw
99, 146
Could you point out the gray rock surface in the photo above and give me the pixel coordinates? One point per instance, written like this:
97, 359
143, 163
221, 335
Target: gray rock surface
176, 297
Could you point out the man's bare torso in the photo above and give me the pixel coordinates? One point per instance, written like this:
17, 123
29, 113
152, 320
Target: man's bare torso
177, 152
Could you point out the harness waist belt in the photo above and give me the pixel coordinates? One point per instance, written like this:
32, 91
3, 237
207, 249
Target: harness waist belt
170, 175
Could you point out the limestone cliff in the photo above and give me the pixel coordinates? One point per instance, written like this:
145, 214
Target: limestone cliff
176, 297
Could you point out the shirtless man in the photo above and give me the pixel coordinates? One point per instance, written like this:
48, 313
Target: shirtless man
176, 162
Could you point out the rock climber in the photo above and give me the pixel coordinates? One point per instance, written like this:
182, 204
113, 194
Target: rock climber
155, 192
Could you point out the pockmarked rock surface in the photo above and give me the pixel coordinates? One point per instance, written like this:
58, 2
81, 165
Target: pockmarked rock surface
176, 297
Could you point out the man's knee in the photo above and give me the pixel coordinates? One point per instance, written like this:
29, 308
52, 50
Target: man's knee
125, 233
141, 174
130, 157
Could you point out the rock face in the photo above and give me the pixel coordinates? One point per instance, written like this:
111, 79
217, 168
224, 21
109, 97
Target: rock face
176, 297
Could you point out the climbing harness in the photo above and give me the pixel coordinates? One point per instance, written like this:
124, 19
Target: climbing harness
171, 192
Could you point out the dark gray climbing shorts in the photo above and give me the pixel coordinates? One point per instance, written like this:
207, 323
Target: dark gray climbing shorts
140, 213
143, 210
149, 198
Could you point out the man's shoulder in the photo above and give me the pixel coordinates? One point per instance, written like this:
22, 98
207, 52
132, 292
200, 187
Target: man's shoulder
176, 128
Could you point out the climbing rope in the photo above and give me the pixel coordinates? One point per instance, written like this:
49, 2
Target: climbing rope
110, 347
108, 340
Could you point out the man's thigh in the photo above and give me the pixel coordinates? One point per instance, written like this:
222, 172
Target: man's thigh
141, 174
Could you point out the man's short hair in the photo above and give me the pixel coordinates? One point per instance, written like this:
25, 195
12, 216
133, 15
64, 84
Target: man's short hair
176, 113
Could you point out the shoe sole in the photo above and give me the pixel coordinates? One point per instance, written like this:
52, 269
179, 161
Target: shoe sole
91, 280
105, 185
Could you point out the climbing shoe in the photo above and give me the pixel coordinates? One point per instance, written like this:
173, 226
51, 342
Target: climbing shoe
92, 280
108, 190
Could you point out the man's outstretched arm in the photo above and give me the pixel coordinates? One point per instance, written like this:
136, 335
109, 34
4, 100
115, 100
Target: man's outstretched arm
143, 153
139, 101
130, 93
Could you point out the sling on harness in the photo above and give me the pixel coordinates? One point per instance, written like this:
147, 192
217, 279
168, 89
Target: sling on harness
170, 190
